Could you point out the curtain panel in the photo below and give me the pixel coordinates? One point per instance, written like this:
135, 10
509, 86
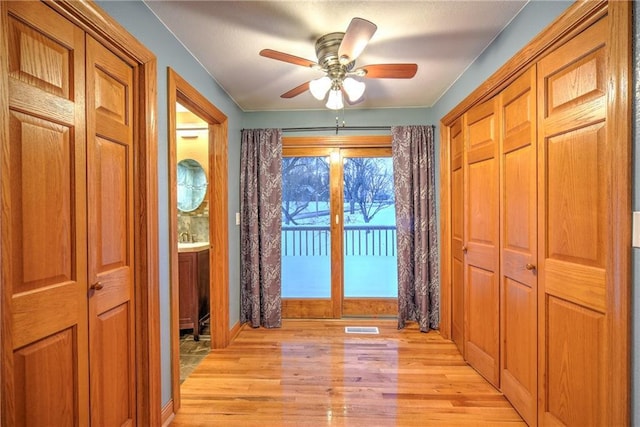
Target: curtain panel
260, 227
414, 179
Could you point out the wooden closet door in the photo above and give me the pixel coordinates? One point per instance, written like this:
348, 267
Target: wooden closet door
110, 239
518, 246
576, 201
457, 234
481, 229
44, 282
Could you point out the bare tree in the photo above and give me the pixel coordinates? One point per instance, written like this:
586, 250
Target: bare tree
304, 179
368, 184
354, 170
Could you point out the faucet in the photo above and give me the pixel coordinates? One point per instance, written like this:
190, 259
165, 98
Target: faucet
182, 236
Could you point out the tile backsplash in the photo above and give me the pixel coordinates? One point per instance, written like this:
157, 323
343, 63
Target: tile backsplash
195, 223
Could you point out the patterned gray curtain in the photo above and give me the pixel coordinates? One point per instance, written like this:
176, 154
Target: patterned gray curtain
414, 180
260, 227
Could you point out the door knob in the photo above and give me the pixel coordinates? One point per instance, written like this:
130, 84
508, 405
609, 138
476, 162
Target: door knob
530, 267
464, 249
96, 286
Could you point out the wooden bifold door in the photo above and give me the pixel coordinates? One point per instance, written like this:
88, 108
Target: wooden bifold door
67, 227
494, 268
518, 245
536, 251
481, 242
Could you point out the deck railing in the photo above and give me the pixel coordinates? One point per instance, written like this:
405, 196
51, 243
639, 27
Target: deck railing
358, 240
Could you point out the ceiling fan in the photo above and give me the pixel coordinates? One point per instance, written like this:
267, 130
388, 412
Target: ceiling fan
337, 54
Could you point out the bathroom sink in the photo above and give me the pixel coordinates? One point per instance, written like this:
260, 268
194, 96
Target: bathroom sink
192, 246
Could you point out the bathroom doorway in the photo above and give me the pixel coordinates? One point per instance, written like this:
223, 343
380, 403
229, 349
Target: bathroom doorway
198, 224
193, 179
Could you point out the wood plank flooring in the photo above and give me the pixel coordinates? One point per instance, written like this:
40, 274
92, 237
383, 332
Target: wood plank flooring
310, 373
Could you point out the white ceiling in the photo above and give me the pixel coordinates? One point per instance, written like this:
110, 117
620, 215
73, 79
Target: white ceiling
442, 37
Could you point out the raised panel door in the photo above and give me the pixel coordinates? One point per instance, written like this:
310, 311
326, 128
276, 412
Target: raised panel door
110, 237
575, 228
481, 231
457, 235
44, 282
518, 245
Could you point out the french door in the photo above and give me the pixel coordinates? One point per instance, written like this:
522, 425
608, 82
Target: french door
338, 233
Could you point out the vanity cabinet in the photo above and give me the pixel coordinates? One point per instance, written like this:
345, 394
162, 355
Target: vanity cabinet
193, 276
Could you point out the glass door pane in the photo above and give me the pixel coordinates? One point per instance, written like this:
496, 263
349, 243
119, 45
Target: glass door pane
306, 237
369, 228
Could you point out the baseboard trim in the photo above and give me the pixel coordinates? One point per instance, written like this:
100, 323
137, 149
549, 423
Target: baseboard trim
233, 332
167, 413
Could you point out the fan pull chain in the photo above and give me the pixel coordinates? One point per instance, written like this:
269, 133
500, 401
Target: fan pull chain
338, 121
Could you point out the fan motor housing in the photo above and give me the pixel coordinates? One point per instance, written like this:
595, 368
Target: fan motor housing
327, 52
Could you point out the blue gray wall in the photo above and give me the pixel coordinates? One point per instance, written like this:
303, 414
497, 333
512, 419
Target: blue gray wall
324, 117
531, 20
140, 22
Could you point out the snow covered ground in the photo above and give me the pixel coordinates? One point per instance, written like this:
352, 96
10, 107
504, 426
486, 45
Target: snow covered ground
307, 276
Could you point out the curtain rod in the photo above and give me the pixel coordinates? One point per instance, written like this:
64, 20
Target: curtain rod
336, 128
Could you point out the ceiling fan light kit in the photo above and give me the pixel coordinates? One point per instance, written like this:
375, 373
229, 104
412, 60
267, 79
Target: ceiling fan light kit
334, 101
337, 53
320, 87
353, 88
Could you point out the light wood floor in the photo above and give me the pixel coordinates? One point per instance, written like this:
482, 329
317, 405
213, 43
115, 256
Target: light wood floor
310, 373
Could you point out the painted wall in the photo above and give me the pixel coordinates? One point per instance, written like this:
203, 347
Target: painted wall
532, 20
351, 117
143, 24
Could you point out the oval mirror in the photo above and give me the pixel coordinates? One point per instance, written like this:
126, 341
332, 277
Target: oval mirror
192, 185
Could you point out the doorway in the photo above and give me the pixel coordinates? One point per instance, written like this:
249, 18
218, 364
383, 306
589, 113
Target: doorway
193, 179
338, 231
211, 231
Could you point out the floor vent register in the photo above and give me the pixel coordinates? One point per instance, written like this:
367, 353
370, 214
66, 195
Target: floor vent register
361, 330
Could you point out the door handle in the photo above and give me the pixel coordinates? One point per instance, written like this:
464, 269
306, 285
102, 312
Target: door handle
464, 249
96, 286
530, 267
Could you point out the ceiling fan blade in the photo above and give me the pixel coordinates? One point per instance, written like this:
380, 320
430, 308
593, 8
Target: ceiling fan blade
355, 39
390, 71
296, 91
285, 57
